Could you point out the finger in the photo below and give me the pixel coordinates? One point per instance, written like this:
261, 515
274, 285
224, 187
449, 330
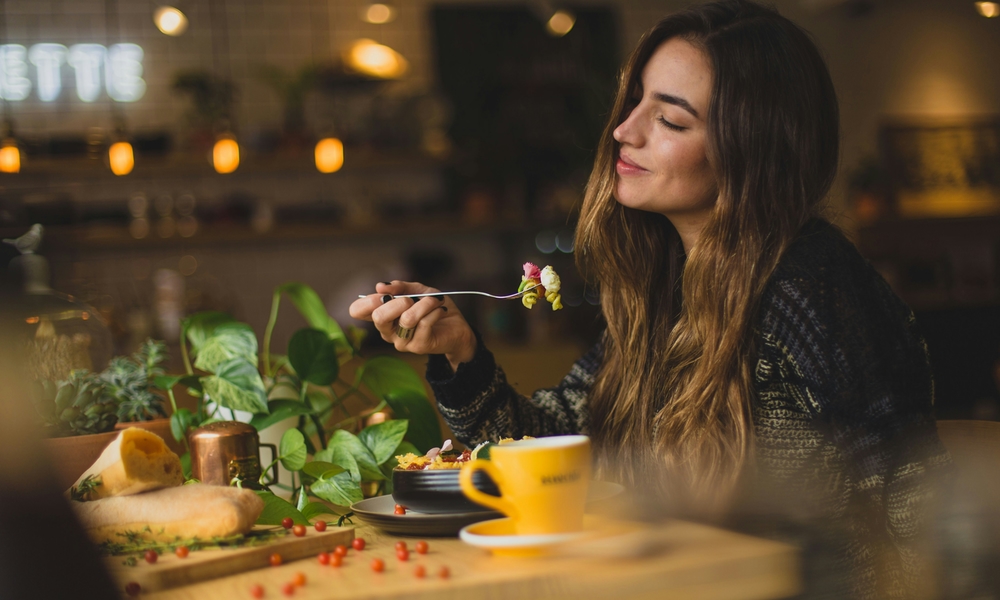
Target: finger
363, 308
422, 340
397, 288
385, 316
413, 315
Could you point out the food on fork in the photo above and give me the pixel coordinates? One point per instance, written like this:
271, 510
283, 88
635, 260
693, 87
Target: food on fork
545, 281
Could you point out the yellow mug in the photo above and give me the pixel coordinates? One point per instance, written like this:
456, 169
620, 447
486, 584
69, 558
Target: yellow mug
543, 483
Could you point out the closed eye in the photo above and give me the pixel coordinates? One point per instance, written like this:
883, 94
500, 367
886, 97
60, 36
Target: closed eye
670, 125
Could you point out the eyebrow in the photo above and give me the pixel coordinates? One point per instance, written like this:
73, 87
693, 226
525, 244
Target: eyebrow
676, 101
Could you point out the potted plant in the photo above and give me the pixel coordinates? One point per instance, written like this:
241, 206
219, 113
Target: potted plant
227, 372
80, 415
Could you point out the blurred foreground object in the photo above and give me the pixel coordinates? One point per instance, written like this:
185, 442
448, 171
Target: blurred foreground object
970, 521
62, 334
34, 517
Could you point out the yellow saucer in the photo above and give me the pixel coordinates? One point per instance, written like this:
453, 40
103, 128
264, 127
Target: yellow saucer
499, 537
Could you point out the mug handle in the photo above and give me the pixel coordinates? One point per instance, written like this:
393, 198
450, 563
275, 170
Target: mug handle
473, 493
274, 467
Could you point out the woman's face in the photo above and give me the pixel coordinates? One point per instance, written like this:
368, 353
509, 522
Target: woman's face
662, 166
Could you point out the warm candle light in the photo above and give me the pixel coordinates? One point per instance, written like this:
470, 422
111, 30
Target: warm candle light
226, 155
170, 21
10, 157
560, 23
378, 13
120, 158
367, 57
988, 9
329, 155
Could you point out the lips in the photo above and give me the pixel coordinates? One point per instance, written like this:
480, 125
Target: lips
624, 166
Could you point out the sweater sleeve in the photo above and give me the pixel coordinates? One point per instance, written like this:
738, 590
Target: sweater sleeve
856, 363
479, 405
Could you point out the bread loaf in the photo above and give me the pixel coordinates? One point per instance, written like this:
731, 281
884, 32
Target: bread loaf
166, 515
136, 461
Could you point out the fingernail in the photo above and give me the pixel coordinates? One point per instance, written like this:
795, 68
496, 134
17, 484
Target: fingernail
441, 298
386, 298
386, 283
444, 308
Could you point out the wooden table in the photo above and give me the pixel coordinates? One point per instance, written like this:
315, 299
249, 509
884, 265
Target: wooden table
698, 561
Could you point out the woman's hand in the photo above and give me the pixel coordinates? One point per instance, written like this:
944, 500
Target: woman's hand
437, 325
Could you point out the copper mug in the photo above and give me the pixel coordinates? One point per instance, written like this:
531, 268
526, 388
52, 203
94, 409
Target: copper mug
227, 450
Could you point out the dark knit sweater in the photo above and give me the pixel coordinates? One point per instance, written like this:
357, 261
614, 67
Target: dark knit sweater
844, 431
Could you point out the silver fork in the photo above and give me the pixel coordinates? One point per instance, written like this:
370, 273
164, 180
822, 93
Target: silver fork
465, 292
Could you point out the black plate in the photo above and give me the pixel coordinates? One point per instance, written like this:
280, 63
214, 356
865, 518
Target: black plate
437, 491
378, 511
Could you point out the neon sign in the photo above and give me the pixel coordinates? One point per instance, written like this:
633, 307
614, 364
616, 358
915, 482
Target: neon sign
122, 65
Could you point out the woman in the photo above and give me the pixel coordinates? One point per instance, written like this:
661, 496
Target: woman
750, 352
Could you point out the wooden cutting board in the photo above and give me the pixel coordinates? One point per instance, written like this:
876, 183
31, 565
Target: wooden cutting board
169, 571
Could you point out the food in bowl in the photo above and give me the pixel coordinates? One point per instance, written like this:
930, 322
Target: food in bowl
429, 483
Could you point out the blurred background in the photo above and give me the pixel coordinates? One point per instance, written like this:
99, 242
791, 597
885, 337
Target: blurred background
193, 157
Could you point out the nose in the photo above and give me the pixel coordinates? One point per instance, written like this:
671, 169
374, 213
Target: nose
627, 132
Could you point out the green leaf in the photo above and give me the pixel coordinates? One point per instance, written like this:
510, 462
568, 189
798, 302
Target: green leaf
315, 509
340, 456
303, 500
383, 438
341, 489
237, 385
319, 468
228, 341
292, 450
199, 326
276, 509
386, 375
313, 356
308, 303
166, 382
279, 411
424, 430
186, 465
366, 461
180, 422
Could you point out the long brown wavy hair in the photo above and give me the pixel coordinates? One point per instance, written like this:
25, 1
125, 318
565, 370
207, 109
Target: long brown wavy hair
671, 401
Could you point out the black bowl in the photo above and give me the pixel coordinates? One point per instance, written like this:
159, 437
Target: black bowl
438, 491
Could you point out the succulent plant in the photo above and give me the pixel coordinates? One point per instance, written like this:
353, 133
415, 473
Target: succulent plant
93, 402
128, 381
76, 406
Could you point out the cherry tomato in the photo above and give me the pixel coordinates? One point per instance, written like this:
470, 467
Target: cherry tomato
300, 579
275, 559
324, 558
182, 551
340, 550
444, 572
400, 545
320, 526
399, 510
378, 565
422, 547
132, 588
257, 590
151, 556
403, 555
299, 530
336, 560
288, 589
420, 572
287, 522
358, 543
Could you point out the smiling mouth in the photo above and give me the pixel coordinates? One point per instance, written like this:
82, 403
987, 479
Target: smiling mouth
625, 167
